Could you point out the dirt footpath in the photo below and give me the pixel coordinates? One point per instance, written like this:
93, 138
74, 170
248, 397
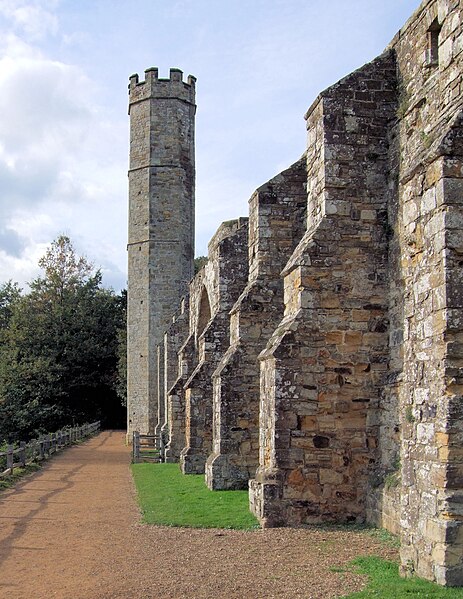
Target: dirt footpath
73, 531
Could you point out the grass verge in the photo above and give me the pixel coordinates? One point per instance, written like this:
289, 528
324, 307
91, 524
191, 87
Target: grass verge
169, 498
10, 480
386, 583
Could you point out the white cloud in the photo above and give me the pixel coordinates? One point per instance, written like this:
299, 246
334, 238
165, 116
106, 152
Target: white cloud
34, 19
62, 162
63, 155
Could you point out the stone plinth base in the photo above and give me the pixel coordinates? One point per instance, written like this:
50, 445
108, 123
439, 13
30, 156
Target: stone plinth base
265, 495
275, 503
383, 508
192, 462
221, 475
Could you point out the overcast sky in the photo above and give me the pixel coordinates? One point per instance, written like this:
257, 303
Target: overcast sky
64, 68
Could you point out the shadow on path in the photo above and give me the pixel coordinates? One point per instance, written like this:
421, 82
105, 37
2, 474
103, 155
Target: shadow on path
63, 483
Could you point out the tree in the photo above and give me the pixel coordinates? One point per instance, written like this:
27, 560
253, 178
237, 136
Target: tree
9, 295
199, 262
121, 384
60, 363
64, 270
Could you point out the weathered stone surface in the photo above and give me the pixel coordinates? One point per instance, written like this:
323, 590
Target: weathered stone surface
213, 292
322, 364
173, 406
161, 231
276, 224
187, 358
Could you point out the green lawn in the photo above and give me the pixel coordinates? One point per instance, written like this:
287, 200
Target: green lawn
385, 582
168, 497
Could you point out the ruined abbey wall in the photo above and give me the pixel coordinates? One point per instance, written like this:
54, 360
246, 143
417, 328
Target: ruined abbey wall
318, 356
426, 294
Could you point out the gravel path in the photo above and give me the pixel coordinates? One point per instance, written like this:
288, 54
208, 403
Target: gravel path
73, 531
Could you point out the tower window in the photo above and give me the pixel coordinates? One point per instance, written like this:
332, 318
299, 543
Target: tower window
432, 51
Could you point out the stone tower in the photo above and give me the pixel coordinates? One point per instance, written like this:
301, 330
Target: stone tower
161, 228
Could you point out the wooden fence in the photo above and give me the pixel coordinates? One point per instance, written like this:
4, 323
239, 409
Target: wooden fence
22, 454
147, 448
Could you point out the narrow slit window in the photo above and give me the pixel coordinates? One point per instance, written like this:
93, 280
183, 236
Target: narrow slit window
432, 52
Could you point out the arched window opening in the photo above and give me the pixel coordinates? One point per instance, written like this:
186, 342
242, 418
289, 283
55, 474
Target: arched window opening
432, 51
204, 311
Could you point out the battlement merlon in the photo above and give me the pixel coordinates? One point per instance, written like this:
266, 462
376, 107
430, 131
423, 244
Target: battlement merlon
154, 87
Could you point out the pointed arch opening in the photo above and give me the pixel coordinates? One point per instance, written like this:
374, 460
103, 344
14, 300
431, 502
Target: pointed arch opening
204, 315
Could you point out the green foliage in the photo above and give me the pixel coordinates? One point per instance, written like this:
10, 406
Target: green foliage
121, 381
169, 498
409, 415
384, 536
392, 480
58, 360
199, 262
10, 294
18, 473
426, 139
386, 583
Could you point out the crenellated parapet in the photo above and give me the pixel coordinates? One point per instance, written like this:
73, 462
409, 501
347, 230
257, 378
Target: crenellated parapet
157, 88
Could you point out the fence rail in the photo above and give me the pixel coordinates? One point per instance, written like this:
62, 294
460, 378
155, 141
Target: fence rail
42, 448
147, 448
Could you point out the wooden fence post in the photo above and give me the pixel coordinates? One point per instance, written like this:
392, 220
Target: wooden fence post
45, 445
10, 458
162, 449
42, 448
136, 447
32, 446
22, 454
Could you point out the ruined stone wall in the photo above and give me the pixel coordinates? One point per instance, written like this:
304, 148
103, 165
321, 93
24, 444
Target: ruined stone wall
173, 340
426, 293
324, 339
390, 344
161, 228
212, 294
276, 224
182, 367
325, 362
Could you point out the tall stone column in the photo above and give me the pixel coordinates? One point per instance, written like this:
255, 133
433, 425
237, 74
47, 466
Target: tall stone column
161, 227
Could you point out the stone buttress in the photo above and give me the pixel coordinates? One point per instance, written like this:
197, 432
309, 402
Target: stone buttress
328, 351
276, 224
161, 228
173, 340
212, 294
324, 365
182, 366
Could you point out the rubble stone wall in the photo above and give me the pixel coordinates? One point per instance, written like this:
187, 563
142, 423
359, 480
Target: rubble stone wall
173, 409
223, 278
426, 291
276, 224
320, 357
325, 363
